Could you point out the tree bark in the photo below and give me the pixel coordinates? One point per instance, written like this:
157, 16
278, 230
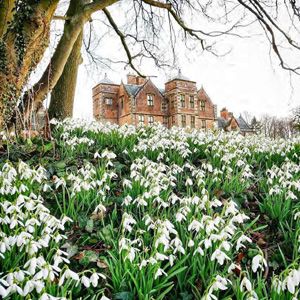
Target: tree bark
16, 67
62, 96
23, 40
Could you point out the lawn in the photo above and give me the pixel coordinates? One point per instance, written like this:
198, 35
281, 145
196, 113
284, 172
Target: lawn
109, 212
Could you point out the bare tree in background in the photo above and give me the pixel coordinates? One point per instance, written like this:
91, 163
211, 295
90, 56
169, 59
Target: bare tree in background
25, 31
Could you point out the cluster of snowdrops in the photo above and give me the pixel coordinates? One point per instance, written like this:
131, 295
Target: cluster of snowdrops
180, 214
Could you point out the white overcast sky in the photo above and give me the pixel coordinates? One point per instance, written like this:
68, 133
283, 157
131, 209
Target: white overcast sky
246, 79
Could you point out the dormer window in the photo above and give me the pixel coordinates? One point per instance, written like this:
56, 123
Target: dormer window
150, 100
108, 101
202, 105
192, 102
182, 101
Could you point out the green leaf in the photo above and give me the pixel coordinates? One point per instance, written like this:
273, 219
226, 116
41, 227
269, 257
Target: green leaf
89, 226
124, 296
60, 164
88, 257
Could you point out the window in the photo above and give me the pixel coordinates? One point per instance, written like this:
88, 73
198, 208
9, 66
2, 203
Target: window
173, 120
141, 119
172, 102
150, 120
192, 102
183, 120
203, 124
192, 121
122, 102
150, 99
165, 121
202, 105
108, 101
164, 106
182, 101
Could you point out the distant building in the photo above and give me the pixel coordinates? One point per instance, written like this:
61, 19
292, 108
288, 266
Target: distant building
139, 101
228, 122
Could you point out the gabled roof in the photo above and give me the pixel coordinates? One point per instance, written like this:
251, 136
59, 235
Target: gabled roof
106, 80
224, 124
203, 95
244, 126
132, 89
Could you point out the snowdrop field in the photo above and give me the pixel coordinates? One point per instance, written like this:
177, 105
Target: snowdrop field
109, 212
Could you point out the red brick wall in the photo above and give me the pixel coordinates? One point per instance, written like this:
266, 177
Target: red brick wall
126, 102
141, 105
101, 110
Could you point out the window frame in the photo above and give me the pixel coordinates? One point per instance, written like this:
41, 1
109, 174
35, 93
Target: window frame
165, 121
202, 105
183, 120
203, 122
193, 122
122, 102
106, 102
182, 100
141, 119
192, 103
150, 120
150, 99
164, 106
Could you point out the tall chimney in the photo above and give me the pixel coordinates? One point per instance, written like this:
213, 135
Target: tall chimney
224, 113
135, 79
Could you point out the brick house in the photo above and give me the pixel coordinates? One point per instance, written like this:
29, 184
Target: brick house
139, 101
228, 122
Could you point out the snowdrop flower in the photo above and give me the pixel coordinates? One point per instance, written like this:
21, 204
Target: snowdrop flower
241, 240
104, 298
189, 182
195, 226
245, 283
128, 220
191, 243
97, 155
95, 277
159, 273
220, 256
68, 274
258, 262
220, 283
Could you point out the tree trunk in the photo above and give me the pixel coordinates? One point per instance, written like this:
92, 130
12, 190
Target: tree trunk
22, 46
24, 36
62, 96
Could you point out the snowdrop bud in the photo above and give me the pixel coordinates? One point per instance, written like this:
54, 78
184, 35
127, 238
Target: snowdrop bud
258, 262
245, 283
191, 243
85, 281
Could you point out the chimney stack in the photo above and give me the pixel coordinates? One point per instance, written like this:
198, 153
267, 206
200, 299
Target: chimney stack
135, 79
224, 113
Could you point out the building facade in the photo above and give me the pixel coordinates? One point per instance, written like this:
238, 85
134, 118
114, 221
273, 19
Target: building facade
139, 101
228, 122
